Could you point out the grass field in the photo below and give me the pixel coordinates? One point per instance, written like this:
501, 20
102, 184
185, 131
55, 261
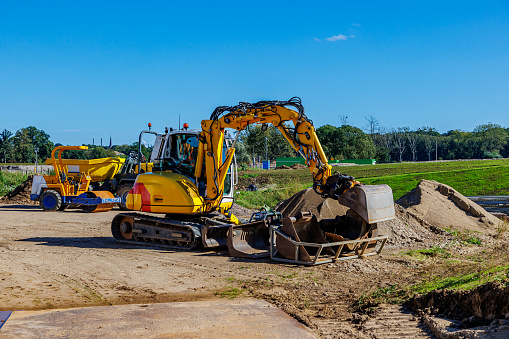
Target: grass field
479, 177
9, 181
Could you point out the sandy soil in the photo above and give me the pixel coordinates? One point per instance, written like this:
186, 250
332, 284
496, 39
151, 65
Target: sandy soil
69, 259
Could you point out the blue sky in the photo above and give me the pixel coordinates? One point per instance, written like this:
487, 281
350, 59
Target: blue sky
87, 69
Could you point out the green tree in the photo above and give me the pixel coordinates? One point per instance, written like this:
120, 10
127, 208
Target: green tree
345, 142
126, 149
26, 140
327, 135
354, 143
241, 153
99, 152
253, 138
5, 145
493, 139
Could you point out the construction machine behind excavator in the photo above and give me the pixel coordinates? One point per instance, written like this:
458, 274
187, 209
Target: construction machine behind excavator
193, 181
95, 185
71, 183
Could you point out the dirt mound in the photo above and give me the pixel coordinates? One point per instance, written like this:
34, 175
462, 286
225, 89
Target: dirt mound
405, 230
473, 308
442, 206
298, 166
241, 212
283, 167
21, 194
308, 200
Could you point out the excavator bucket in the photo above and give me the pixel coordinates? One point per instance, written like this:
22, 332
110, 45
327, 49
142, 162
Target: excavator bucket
213, 236
250, 240
374, 203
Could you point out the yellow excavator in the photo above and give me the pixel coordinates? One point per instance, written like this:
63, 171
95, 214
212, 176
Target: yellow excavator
193, 179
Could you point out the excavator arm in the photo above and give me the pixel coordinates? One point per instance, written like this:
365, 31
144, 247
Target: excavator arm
296, 128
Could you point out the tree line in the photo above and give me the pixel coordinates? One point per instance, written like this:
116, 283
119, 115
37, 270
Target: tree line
338, 142
21, 147
385, 145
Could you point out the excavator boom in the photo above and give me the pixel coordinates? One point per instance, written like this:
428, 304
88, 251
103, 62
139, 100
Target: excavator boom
299, 131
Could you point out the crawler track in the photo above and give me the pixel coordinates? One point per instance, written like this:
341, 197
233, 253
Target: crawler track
135, 228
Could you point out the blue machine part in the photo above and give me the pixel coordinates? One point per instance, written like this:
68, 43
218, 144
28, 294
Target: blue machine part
50, 201
83, 199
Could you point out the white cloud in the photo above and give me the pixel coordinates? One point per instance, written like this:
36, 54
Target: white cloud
316, 39
356, 25
339, 37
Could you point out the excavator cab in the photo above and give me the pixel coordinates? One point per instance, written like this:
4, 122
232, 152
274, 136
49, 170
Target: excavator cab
175, 155
180, 154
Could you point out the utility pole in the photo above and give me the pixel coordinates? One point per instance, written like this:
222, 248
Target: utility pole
36, 150
436, 148
253, 157
266, 157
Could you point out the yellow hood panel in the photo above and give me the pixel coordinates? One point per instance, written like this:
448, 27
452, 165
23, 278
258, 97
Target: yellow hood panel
164, 192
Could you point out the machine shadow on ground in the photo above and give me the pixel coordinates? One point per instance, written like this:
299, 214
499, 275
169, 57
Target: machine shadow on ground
92, 242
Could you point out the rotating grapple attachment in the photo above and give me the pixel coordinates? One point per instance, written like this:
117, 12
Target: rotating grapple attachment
305, 240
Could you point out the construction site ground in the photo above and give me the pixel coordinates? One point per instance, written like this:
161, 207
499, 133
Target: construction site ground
58, 260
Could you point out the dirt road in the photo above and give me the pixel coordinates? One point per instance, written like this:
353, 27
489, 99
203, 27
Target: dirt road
69, 259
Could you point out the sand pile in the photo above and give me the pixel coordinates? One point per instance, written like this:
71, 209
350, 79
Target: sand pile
283, 167
21, 194
308, 200
405, 230
241, 212
439, 205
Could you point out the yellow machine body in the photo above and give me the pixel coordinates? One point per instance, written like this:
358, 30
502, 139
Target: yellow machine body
98, 169
66, 187
166, 192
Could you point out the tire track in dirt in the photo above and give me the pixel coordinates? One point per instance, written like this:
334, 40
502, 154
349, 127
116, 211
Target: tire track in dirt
394, 321
81, 288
